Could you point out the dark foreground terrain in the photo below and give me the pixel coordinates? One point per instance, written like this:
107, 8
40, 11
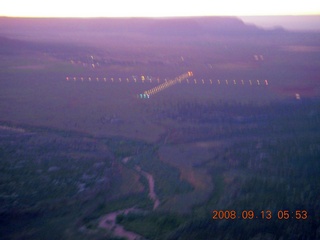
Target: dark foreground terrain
230, 152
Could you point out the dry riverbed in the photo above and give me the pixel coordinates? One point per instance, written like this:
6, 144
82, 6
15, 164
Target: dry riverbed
108, 221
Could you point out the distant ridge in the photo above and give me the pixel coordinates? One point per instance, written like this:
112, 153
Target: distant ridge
191, 26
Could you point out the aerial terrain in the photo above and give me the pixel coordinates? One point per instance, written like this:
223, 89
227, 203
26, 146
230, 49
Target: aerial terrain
168, 128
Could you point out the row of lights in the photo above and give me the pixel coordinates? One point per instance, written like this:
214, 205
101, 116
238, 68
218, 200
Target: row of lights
186, 76
167, 84
230, 82
179, 79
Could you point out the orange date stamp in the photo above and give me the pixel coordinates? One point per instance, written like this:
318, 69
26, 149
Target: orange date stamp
264, 214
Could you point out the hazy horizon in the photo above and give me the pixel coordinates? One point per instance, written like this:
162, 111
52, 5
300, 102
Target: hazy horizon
295, 23
291, 23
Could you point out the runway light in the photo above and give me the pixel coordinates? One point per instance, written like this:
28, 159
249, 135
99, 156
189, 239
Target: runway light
166, 84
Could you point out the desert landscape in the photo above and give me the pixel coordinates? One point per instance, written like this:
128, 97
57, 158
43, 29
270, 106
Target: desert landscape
169, 128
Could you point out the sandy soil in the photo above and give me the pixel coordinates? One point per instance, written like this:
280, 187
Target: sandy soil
108, 221
152, 194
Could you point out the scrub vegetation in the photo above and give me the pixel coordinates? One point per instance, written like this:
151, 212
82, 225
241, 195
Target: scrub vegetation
198, 160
